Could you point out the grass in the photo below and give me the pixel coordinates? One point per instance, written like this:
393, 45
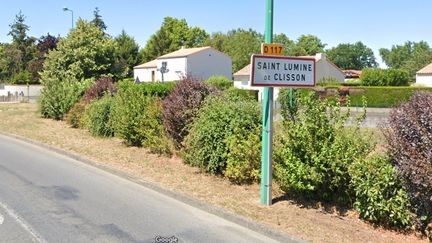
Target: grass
312, 221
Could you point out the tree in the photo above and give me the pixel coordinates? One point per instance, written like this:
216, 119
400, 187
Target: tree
44, 45
289, 45
172, 35
308, 45
239, 44
97, 20
352, 56
86, 53
411, 56
126, 55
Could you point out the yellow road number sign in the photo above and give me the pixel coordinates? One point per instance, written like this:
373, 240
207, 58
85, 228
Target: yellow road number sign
272, 49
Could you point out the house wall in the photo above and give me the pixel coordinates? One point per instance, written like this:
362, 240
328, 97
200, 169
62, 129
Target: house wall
176, 69
424, 79
207, 63
327, 70
144, 74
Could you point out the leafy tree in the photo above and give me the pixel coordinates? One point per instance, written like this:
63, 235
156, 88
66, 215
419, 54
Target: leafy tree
126, 55
308, 45
172, 35
290, 45
86, 53
411, 56
352, 56
97, 20
44, 45
239, 44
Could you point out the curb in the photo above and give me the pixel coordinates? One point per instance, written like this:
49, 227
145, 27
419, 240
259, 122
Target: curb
215, 210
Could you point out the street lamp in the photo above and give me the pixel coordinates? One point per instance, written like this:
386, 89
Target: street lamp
67, 9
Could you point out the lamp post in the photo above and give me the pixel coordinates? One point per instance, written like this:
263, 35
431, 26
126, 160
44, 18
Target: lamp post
70, 10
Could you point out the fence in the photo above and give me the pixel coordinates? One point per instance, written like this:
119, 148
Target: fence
14, 97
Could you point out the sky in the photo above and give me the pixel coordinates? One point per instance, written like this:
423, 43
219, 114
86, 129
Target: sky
376, 23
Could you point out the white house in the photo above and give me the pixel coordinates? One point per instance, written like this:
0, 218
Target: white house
324, 69
200, 63
424, 76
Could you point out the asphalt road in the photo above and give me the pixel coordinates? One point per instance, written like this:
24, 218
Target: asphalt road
47, 197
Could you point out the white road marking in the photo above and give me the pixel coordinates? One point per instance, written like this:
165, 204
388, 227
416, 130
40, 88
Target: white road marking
36, 237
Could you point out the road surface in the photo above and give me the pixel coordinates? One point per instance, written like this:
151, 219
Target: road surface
47, 197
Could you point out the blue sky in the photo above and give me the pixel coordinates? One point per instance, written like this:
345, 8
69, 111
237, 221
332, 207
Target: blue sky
376, 23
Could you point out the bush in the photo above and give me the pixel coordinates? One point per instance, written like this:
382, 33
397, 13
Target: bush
137, 118
181, 107
220, 123
100, 88
314, 151
241, 94
75, 114
409, 140
384, 77
58, 96
220, 82
380, 196
23, 77
97, 117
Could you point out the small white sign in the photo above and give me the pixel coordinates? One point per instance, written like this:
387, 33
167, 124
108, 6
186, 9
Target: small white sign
282, 71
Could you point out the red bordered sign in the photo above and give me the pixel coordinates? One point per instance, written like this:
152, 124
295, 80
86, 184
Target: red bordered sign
281, 71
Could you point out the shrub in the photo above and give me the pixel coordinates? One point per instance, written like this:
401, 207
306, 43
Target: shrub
58, 96
220, 82
97, 115
314, 150
220, 122
181, 107
380, 196
384, 77
23, 77
102, 85
137, 118
75, 114
241, 94
409, 140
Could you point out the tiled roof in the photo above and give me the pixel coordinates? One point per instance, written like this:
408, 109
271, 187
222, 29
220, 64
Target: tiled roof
352, 73
151, 64
244, 71
426, 70
184, 52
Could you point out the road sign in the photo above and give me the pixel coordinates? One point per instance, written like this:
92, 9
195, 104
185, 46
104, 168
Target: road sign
270, 71
272, 49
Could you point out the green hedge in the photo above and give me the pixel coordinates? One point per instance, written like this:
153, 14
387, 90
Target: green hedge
384, 77
158, 89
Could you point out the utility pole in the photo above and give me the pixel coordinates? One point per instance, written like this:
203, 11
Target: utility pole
267, 122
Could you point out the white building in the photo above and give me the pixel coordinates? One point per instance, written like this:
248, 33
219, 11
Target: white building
199, 63
325, 69
424, 76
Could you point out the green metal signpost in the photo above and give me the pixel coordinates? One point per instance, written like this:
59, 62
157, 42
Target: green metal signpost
267, 133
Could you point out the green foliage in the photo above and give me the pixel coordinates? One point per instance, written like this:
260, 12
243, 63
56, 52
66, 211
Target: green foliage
314, 151
380, 195
97, 117
126, 56
75, 115
58, 97
352, 56
23, 78
308, 45
86, 53
158, 89
241, 94
97, 20
220, 123
136, 117
239, 44
244, 157
384, 77
411, 56
172, 35
220, 82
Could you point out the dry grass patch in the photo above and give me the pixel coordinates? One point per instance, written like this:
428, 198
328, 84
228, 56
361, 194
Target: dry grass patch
310, 221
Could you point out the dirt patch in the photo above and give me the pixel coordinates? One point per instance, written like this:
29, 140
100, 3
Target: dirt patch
310, 221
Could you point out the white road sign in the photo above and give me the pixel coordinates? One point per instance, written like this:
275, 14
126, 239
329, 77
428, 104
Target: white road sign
282, 71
